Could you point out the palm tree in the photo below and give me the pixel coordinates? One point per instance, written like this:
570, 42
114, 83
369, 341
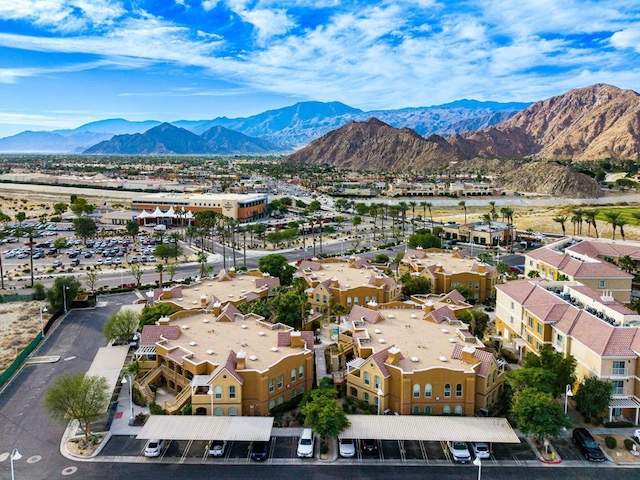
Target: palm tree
621, 223
2, 235
578, 214
30, 230
202, 260
492, 211
627, 263
614, 218
413, 205
463, 204
402, 208
425, 206
561, 219
590, 218
160, 269
374, 210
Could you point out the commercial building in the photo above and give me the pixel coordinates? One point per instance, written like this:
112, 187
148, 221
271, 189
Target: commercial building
410, 360
492, 234
448, 270
598, 330
170, 209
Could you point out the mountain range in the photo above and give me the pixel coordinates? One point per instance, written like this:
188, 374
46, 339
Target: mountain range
287, 128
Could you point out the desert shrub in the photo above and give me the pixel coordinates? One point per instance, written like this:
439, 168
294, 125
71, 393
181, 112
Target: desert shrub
155, 409
628, 444
618, 424
324, 448
138, 398
508, 355
610, 442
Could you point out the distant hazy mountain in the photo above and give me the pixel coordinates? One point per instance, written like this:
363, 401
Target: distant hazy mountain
114, 126
50, 142
167, 139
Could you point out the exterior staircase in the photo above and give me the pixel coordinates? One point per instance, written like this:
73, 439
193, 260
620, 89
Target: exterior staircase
177, 403
150, 377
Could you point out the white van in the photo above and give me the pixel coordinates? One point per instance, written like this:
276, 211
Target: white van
305, 444
160, 228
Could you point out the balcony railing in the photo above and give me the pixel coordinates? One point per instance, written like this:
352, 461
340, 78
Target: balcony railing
619, 371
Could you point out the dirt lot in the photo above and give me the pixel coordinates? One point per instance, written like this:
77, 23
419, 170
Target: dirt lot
19, 325
619, 454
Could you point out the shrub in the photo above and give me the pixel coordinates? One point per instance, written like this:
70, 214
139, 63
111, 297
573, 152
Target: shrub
610, 442
508, 355
618, 424
155, 409
186, 410
138, 398
140, 419
628, 444
324, 448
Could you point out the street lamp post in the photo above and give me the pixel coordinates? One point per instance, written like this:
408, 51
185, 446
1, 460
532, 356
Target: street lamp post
124, 380
567, 393
42, 310
478, 463
380, 393
15, 455
210, 393
64, 297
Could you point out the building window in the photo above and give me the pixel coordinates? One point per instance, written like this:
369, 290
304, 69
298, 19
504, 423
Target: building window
280, 400
318, 297
302, 390
559, 341
428, 390
376, 381
280, 381
218, 412
232, 391
367, 378
470, 283
530, 321
272, 404
365, 397
447, 389
511, 319
293, 374
232, 411
416, 410
618, 368
446, 410
324, 299
301, 371
529, 339
539, 328
618, 387
511, 305
272, 384
356, 301
348, 301
458, 410
458, 390
376, 401
218, 392
416, 390
602, 283
427, 410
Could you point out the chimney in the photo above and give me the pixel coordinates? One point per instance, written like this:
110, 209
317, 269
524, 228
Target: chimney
394, 356
439, 267
203, 300
232, 272
428, 306
217, 308
468, 355
482, 268
372, 305
296, 340
240, 360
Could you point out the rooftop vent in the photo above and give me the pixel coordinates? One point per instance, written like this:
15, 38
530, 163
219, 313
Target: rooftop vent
413, 315
196, 289
253, 358
185, 327
444, 330
210, 352
443, 359
391, 315
193, 344
415, 359
274, 349
452, 340
243, 326
205, 320
382, 340
262, 334
378, 331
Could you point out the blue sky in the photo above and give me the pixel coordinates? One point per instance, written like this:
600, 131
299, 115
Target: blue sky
67, 62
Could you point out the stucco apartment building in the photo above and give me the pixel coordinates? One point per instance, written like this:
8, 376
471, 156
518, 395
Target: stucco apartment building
583, 263
349, 283
448, 270
598, 330
411, 360
242, 207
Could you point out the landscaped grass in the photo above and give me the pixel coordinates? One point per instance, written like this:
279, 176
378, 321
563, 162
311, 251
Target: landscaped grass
625, 214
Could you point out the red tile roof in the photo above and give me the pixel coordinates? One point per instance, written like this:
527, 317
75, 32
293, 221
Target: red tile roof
229, 365
443, 314
177, 353
153, 333
359, 312
270, 282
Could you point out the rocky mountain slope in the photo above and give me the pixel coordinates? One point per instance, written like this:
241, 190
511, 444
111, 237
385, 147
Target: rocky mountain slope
375, 146
591, 123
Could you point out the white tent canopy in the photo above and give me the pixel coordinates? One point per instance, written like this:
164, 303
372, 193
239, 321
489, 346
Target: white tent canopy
430, 428
199, 427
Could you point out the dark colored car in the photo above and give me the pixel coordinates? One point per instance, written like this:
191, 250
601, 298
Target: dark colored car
260, 451
369, 447
587, 445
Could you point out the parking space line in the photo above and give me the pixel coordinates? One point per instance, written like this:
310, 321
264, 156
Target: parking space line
272, 448
403, 452
166, 448
380, 449
445, 449
186, 451
423, 449
227, 455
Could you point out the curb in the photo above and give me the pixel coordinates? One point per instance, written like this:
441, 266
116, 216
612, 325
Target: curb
541, 459
69, 433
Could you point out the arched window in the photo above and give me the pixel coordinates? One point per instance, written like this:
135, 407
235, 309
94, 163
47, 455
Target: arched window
428, 390
447, 389
318, 297
232, 411
293, 374
458, 410
446, 410
376, 401
416, 390
416, 410
301, 389
366, 300
218, 392
348, 301
232, 391
365, 397
356, 301
367, 378
280, 381
218, 412
376, 381
301, 371
280, 400
272, 384
458, 389
293, 393
272, 404
427, 410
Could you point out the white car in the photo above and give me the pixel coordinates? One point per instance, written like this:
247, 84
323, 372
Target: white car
154, 448
305, 444
481, 450
459, 452
217, 447
347, 447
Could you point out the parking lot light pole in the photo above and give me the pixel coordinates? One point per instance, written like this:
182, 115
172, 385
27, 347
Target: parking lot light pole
567, 393
478, 463
380, 393
210, 393
42, 310
15, 455
124, 380
64, 297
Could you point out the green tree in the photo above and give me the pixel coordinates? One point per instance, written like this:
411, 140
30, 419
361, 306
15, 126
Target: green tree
60, 242
381, 258
537, 378
467, 293
80, 207
151, 314
60, 208
63, 288
538, 413
561, 219
29, 231
463, 204
160, 270
563, 367
202, 260
85, 227
593, 396
91, 279
137, 272
172, 270
21, 217
415, 285
165, 251
356, 221
425, 239
132, 228
121, 325
477, 320
291, 308
259, 307
77, 396
277, 266
323, 413
338, 309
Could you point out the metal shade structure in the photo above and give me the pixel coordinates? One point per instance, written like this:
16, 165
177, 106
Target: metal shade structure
430, 428
198, 427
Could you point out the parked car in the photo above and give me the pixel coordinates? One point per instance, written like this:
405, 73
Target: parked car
217, 448
305, 444
75, 262
587, 445
57, 263
347, 447
154, 448
260, 451
370, 446
459, 452
481, 450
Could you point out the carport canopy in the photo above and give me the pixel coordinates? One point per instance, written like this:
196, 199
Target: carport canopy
199, 427
430, 428
108, 363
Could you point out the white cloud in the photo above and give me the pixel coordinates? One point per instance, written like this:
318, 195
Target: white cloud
209, 4
628, 38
